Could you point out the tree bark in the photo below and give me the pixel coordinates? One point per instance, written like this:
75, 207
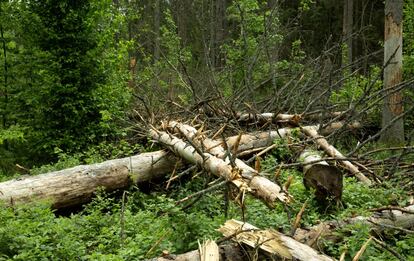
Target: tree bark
77, 185
347, 28
254, 184
265, 189
156, 30
333, 152
271, 242
393, 102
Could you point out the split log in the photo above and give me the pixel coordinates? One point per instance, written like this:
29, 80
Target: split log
209, 251
77, 185
380, 221
270, 241
266, 189
312, 132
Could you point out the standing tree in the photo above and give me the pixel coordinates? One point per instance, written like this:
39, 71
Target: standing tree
392, 122
64, 84
348, 23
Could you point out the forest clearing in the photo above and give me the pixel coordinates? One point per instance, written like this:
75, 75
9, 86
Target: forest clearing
207, 130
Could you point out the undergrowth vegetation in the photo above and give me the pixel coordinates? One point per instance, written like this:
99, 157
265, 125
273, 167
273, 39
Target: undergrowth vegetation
136, 225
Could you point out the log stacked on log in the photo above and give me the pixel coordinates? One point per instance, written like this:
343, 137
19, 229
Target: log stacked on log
76, 185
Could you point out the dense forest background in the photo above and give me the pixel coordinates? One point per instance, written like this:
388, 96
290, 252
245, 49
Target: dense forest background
81, 80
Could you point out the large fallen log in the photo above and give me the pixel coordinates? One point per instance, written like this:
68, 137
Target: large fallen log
271, 242
219, 168
76, 185
260, 140
266, 189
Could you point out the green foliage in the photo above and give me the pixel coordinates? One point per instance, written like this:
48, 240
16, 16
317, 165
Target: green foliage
65, 86
357, 88
408, 30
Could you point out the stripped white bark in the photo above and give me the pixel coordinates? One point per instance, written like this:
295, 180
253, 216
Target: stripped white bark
76, 185
312, 132
268, 116
266, 189
271, 241
209, 251
264, 139
211, 163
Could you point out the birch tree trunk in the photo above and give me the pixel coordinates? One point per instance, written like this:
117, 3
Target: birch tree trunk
265, 189
256, 185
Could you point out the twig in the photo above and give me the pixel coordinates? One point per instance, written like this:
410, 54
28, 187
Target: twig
389, 249
201, 192
362, 250
391, 227
392, 208
298, 218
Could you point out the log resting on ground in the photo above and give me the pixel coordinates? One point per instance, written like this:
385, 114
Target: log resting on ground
272, 242
76, 185
266, 189
218, 167
379, 222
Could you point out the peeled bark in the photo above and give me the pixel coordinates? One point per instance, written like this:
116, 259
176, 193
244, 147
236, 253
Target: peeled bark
77, 185
271, 242
221, 168
264, 188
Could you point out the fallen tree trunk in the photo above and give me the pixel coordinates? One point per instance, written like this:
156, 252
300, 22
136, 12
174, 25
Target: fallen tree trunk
264, 139
312, 132
218, 167
269, 116
272, 242
391, 219
76, 185
265, 189
231, 252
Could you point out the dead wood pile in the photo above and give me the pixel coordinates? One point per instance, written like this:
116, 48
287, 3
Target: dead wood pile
191, 146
